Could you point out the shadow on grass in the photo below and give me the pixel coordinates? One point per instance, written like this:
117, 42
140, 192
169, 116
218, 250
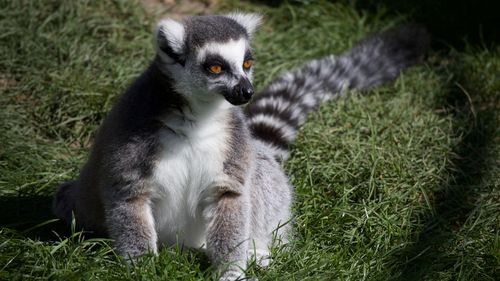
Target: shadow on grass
449, 21
24, 213
32, 217
454, 202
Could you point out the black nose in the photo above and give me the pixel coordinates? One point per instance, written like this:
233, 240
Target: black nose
244, 89
247, 92
241, 93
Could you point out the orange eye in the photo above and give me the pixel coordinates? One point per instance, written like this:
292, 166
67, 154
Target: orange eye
247, 64
215, 68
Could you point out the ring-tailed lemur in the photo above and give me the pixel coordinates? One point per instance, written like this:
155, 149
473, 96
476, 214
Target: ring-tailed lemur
177, 161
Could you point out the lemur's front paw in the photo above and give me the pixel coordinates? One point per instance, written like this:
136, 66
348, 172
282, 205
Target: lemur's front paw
232, 275
262, 257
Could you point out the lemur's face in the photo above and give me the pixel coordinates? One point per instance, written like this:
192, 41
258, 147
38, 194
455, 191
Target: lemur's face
226, 69
209, 57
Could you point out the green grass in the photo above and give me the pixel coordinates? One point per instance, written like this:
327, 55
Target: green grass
401, 183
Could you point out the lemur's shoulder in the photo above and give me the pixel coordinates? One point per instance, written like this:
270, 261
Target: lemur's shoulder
152, 94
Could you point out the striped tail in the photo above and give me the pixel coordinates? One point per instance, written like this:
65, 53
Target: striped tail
275, 115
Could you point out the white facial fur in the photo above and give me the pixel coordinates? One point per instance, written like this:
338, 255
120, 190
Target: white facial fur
233, 52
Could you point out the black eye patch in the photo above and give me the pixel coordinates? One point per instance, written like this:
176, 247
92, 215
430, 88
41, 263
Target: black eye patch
212, 59
248, 55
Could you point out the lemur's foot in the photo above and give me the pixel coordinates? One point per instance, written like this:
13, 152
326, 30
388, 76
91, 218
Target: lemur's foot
262, 257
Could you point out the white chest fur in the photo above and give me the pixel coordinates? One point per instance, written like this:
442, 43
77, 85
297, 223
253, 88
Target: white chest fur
190, 162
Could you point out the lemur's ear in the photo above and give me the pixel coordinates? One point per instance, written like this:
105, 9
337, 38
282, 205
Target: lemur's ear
250, 21
170, 40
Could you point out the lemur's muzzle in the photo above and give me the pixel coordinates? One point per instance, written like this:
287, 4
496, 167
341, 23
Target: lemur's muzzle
241, 93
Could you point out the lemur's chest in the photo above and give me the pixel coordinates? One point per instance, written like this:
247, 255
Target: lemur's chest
190, 161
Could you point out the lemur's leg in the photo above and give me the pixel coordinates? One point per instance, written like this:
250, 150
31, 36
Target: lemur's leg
228, 233
74, 199
130, 223
64, 201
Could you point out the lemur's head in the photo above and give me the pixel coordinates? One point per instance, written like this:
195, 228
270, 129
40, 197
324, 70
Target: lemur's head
209, 57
